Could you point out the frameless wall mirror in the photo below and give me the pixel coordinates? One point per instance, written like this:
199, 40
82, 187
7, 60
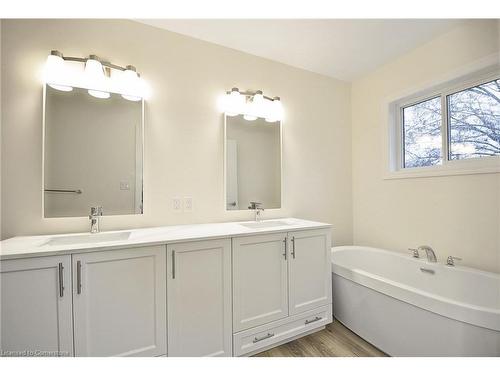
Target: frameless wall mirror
253, 163
93, 153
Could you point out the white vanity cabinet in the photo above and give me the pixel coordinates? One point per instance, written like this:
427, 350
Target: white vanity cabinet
35, 306
309, 270
199, 298
226, 289
260, 283
281, 287
119, 302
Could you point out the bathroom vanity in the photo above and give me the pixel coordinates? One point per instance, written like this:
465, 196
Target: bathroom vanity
227, 289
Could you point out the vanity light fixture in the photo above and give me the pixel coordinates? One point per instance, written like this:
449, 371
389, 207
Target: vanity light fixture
99, 77
252, 105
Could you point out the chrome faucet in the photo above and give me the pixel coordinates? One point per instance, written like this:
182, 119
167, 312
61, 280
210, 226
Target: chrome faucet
431, 256
95, 214
257, 207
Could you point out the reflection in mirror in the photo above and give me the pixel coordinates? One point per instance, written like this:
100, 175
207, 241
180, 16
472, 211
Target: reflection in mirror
253, 163
93, 151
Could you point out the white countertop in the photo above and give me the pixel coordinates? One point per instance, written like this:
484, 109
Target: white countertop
35, 246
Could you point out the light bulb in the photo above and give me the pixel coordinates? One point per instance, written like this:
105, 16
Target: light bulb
268, 110
131, 84
234, 102
276, 110
99, 94
56, 72
258, 104
95, 80
254, 106
250, 117
235, 92
60, 87
258, 97
131, 98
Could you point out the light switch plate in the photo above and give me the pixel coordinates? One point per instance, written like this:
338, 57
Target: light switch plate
177, 204
124, 185
188, 204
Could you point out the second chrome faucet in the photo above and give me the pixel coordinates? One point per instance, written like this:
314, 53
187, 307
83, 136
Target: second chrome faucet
95, 215
257, 207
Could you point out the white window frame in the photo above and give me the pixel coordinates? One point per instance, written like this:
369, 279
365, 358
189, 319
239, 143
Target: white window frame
489, 164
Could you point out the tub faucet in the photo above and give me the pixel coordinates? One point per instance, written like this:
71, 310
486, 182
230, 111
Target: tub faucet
95, 214
451, 260
414, 252
431, 256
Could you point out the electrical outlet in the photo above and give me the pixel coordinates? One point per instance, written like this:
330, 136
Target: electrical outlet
188, 204
176, 204
124, 185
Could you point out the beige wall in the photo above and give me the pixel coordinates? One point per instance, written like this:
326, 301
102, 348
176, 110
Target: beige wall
184, 130
457, 215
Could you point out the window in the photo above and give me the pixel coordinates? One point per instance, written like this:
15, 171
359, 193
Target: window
449, 125
422, 133
474, 121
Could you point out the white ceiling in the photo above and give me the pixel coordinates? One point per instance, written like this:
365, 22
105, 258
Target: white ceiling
343, 49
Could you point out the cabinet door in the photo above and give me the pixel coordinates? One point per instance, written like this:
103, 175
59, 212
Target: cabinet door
309, 270
119, 302
199, 298
35, 306
260, 292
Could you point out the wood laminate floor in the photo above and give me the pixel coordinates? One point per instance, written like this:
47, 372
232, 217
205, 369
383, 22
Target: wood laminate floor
334, 341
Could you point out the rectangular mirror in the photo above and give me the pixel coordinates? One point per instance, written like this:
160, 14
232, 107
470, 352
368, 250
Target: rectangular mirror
253, 163
93, 154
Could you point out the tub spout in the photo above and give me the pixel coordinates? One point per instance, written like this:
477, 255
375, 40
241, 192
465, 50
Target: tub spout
431, 256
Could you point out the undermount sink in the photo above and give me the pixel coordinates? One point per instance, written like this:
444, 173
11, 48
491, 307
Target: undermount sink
265, 224
88, 238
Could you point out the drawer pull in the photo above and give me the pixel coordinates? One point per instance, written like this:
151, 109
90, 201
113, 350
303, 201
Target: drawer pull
268, 336
313, 320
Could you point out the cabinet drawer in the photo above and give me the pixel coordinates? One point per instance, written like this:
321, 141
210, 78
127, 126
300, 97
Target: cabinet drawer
261, 337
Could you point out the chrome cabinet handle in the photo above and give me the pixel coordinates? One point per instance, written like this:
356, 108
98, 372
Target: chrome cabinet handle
61, 281
293, 247
173, 264
257, 339
286, 247
313, 320
78, 277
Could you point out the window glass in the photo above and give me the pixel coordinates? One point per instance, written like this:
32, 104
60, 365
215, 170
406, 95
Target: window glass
474, 122
422, 134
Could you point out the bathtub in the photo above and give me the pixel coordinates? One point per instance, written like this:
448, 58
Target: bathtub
410, 307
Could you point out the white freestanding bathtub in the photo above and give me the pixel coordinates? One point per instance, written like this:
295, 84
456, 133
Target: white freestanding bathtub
410, 307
